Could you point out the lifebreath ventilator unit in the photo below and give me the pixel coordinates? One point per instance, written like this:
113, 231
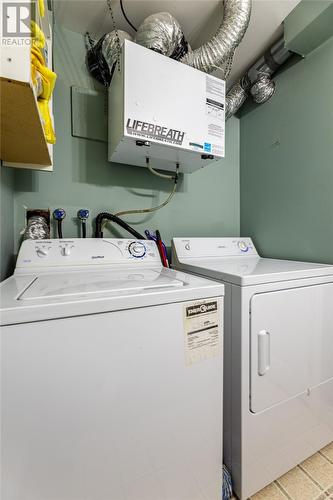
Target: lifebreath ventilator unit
164, 110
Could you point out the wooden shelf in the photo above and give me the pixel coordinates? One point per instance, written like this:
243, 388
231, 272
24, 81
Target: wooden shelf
22, 135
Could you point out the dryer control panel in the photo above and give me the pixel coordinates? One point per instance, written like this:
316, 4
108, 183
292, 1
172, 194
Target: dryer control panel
196, 248
86, 252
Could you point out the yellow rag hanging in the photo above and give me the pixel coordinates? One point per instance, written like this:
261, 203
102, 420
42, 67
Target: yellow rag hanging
39, 68
37, 36
41, 8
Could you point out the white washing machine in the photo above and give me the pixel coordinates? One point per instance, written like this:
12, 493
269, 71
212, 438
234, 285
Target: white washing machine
278, 356
111, 375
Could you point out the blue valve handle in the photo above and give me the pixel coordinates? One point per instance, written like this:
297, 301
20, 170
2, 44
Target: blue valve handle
59, 214
83, 214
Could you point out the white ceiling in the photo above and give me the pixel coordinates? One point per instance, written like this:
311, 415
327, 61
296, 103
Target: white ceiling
199, 20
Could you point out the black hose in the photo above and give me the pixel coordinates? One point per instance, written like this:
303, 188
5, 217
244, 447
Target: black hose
105, 215
84, 229
60, 229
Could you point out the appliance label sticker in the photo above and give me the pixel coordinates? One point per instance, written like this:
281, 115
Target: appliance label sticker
202, 330
215, 93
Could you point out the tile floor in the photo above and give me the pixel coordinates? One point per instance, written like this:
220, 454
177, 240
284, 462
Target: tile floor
310, 480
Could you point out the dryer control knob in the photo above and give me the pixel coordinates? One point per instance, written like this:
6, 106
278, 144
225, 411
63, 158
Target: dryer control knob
42, 252
137, 249
243, 246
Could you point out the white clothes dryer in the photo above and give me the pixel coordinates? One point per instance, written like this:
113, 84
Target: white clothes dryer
111, 375
278, 356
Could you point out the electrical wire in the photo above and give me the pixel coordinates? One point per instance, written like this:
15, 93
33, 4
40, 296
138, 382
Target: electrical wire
125, 16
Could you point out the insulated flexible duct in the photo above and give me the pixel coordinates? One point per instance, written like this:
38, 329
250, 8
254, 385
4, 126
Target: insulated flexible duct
102, 56
260, 73
111, 46
236, 96
215, 53
262, 89
162, 33
258, 78
37, 228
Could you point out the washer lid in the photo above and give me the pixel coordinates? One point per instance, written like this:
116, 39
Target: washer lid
35, 297
48, 286
254, 270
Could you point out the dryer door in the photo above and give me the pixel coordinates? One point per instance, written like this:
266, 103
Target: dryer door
291, 343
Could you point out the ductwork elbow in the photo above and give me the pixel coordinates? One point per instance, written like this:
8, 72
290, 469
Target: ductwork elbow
214, 53
257, 81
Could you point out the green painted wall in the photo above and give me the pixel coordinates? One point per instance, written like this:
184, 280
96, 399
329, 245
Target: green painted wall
287, 164
207, 203
6, 221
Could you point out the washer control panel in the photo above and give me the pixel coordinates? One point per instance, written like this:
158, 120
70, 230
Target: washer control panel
243, 246
197, 248
86, 252
137, 249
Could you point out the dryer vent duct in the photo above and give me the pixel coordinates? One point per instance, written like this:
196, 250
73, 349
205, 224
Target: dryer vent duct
258, 79
37, 228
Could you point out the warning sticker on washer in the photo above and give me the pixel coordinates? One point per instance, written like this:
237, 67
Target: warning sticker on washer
202, 330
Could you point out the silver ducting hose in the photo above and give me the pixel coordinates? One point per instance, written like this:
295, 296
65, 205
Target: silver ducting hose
162, 32
37, 229
214, 53
102, 56
111, 45
261, 86
236, 96
262, 89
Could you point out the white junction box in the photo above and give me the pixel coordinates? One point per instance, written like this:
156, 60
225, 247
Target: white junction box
164, 110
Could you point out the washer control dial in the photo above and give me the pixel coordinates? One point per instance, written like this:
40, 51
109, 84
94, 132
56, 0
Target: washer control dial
42, 252
137, 249
243, 246
65, 251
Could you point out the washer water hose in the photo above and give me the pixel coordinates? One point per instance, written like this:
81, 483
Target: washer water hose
106, 215
59, 214
83, 215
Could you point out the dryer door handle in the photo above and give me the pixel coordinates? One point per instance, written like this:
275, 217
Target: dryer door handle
264, 346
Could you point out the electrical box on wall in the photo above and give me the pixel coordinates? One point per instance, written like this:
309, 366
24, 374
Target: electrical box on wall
164, 110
